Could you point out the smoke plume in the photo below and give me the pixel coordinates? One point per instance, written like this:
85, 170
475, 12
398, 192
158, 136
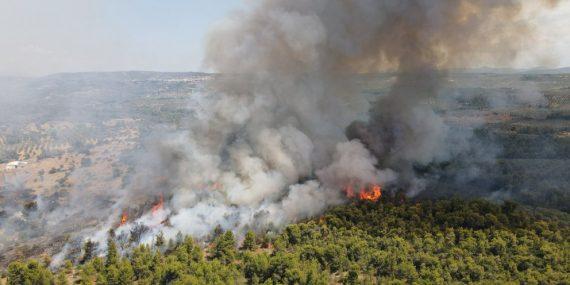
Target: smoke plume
284, 130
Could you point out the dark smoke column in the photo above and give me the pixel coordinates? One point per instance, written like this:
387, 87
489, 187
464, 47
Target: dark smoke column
279, 135
301, 53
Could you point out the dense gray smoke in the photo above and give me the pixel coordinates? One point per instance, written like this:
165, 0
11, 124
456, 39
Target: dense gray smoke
285, 131
295, 58
272, 144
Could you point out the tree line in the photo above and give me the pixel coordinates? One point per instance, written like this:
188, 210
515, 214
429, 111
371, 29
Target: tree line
392, 241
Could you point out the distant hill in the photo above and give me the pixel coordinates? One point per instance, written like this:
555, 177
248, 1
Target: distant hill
122, 75
562, 70
490, 70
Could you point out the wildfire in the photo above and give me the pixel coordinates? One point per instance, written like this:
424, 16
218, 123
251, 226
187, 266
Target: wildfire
349, 191
372, 192
216, 186
158, 206
124, 218
210, 186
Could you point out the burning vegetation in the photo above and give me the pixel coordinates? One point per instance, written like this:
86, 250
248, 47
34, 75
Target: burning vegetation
159, 205
155, 209
370, 192
343, 248
124, 219
283, 128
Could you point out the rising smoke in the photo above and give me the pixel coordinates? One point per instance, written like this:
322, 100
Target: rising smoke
283, 132
284, 129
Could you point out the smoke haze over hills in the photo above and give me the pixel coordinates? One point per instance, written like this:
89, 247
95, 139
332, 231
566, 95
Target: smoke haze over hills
282, 130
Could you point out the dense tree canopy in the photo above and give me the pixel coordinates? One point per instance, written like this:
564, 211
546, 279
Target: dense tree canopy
395, 241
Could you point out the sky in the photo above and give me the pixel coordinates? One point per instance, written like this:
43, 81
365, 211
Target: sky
39, 37
47, 36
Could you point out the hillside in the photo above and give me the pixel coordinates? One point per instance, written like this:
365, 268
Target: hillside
391, 241
91, 138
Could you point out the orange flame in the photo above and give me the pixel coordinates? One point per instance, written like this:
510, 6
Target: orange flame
371, 193
349, 191
210, 186
158, 206
124, 218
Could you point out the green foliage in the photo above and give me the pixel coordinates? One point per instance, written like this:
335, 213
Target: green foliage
249, 241
61, 278
31, 272
225, 247
88, 251
429, 242
112, 257
126, 273
17, 273
142, 261
87, 274
68, 266
159, 240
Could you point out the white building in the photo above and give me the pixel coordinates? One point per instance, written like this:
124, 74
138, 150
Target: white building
15, 165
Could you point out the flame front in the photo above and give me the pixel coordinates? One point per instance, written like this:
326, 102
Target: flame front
158, 205
124, 218
349, 191
372, 192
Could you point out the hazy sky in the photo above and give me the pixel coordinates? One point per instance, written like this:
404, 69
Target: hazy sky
47, 36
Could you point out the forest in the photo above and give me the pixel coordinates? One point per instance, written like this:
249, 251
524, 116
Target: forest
392, 241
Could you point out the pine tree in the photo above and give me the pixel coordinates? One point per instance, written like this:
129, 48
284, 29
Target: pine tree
159, 240
88, 250
126, 273
112, 257
352, 277
218, 231
68, 265
112, 275
224, 250
249, 241
87, 274
61, 278
17, 273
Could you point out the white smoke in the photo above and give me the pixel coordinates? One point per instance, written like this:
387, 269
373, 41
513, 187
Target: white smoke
267, 146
